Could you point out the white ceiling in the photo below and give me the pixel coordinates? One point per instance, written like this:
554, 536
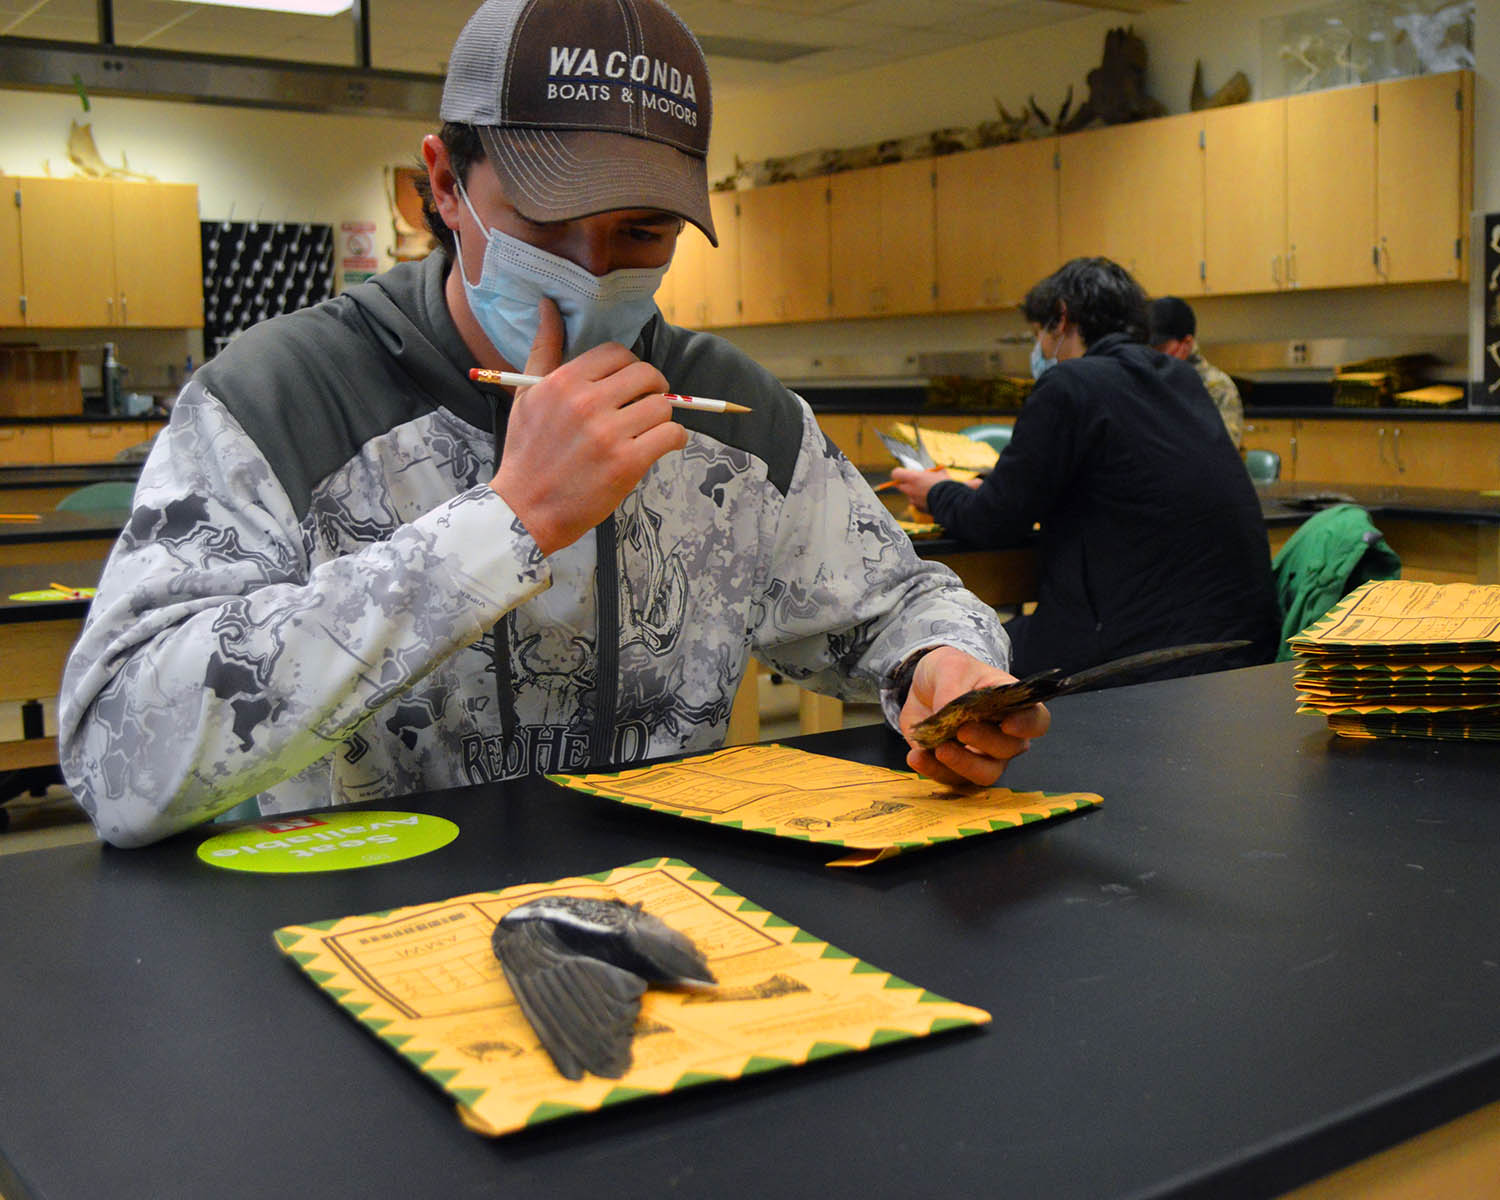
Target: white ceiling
837, 36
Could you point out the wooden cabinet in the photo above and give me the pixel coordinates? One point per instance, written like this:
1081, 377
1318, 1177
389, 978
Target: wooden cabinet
104, 254
158, 255
1348, 187
996, 217
855, 433
1277, 434
22, 445
10, 253
1244, 198
845, 430
1330, 188
99, 442
1135, 193
67, 253
1423, 177
881, 240
784, 266
1442, 454
702, 290
72, 441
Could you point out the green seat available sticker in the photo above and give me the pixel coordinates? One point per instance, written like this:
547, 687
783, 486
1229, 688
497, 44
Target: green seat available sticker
336, 841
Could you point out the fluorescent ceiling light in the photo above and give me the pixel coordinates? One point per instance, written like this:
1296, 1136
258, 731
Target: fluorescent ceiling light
307, 8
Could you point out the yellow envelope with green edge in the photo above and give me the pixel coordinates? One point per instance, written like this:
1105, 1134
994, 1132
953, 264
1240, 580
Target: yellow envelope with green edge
424, 980
874, 813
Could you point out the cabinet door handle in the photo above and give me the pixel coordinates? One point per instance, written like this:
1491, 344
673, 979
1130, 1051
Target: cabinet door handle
1294, 451
1396, 450
1291, 267
1383, 261
1380, 433
124, 311
1276, 269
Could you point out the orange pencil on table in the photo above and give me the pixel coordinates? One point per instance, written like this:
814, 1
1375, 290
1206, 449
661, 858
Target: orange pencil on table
19, 517
71, 592
515, 379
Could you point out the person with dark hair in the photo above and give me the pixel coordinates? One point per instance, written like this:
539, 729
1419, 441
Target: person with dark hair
1150, 531
1174, 330
353, 573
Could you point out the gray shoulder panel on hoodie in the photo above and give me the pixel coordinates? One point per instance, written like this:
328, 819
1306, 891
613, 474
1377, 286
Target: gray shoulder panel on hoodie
309, 392
701, 364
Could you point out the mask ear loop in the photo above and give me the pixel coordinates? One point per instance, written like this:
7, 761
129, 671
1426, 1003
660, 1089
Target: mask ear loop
463, 194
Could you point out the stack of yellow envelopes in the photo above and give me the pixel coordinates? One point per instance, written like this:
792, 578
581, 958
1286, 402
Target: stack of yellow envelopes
1402, 658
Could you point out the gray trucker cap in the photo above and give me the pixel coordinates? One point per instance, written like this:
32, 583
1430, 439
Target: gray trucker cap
585, 106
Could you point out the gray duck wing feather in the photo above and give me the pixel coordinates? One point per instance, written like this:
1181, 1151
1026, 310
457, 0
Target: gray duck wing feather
583, 1010
672, 954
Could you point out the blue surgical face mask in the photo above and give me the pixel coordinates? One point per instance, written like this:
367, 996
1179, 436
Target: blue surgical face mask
1040, 363
516, 275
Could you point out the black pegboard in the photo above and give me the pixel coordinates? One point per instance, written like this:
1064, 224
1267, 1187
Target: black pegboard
258, 269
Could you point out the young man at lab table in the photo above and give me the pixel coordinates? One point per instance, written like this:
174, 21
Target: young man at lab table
353, 574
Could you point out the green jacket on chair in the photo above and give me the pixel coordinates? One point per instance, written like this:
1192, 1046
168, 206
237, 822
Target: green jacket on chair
1331, 554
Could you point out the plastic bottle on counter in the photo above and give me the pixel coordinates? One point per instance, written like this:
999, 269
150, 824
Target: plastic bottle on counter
110, 380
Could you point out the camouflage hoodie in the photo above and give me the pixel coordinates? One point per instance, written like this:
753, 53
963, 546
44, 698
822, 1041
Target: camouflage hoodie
319, 600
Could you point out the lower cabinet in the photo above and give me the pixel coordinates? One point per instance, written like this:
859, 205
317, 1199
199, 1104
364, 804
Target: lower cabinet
73, 442
1459, 454
1372, 450
1278, 435
855, 433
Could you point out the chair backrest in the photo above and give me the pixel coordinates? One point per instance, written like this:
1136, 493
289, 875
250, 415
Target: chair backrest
91, 497
991, 433
1264, 465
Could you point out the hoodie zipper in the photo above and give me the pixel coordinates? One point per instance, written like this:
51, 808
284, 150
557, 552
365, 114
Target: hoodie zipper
607, 647
607, 640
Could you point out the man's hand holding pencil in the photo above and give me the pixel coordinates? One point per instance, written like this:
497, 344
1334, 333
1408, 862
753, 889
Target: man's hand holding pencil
577, 442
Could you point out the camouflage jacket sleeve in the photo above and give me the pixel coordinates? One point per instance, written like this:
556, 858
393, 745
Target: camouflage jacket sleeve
848, 603
216, 661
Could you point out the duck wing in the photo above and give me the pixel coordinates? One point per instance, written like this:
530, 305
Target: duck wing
582, 1009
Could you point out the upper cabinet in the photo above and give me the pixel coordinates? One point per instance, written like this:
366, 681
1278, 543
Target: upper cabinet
1424, 176
1244, 198
996, 224
107, 254
1134, 193
1330, 188
702, 290
881, 229
1344, 188
784, 272
1351, 187
158, 254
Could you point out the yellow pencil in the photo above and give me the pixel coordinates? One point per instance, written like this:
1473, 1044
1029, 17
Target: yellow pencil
19, 517
514, 379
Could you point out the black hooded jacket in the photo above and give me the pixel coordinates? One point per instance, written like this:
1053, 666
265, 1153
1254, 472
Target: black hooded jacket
1151, 532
